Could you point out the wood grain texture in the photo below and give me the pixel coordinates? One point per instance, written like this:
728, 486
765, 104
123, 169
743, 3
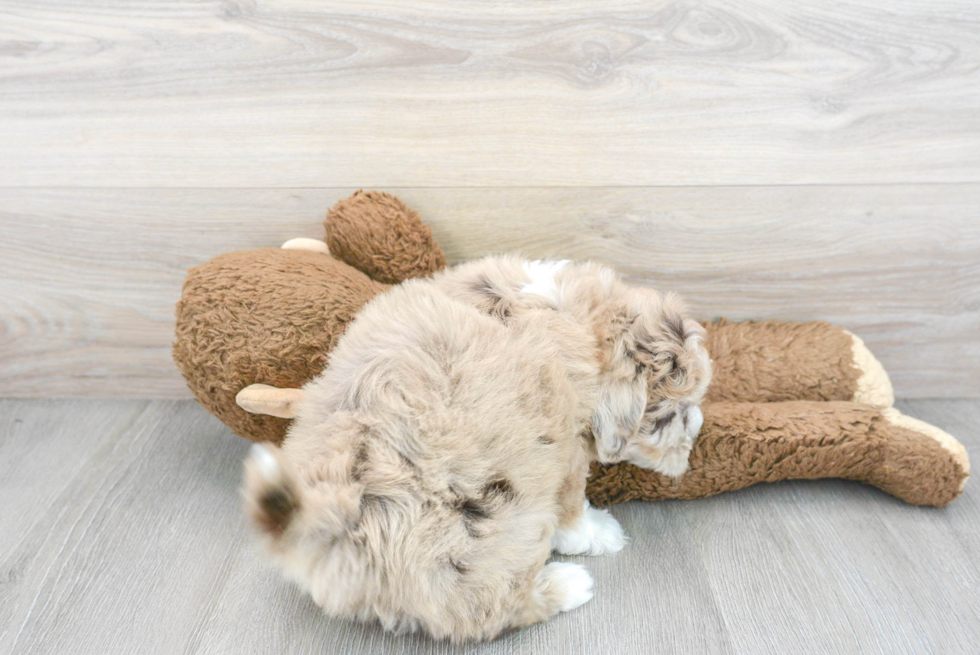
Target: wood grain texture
89, 277
123, 533
96, 570
440, 93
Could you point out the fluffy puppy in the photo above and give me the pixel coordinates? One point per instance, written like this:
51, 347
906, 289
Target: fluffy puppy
653, 369
432, 467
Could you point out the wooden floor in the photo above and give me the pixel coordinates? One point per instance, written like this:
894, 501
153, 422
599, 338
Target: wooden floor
122, 532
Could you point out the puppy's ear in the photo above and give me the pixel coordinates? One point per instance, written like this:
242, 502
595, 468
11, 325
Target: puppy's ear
616, 418
669, 349
264, 399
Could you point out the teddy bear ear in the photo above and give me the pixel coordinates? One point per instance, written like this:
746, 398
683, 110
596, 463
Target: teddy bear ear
265, 399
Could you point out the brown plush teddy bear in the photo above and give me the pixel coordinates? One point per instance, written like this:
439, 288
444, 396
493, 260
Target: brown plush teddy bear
787, 401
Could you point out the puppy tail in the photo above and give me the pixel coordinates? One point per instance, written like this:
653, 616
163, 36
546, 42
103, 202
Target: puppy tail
272, 498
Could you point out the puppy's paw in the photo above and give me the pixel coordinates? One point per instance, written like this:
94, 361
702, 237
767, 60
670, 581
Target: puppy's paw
596, 532
570, 583
607, 534
673, 463
693, 421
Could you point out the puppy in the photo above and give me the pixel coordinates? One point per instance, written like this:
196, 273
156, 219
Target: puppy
434, 465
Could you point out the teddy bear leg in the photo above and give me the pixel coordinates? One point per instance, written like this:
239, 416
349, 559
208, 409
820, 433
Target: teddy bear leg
770, 361
874, 387
922, 464
742, 444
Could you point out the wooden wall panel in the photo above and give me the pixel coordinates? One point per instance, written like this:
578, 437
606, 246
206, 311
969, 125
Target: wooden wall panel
338, 93
88, 277
768, 159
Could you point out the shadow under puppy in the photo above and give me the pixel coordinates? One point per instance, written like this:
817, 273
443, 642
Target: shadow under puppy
443, 453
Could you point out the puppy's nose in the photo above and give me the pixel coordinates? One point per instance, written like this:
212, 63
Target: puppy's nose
695, 419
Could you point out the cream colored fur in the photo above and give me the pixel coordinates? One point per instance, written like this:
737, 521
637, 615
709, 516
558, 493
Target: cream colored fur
946, 440
874, 387
430, 466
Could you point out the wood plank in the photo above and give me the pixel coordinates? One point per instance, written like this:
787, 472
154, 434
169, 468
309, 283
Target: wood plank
144, 549
311, 92
961, 531
639, 607
127, 536
33, 474
89, 277
125, 553
836, 566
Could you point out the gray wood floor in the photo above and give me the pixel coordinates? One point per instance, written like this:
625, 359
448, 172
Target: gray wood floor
122, 532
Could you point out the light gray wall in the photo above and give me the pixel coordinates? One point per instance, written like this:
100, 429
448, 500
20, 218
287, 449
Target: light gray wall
766, 159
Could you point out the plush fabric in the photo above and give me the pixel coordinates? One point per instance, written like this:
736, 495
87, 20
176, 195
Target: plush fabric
378, 235
262, 316
788, 400
772, 361
742, 444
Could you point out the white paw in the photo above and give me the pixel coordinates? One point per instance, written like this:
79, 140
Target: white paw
597, 532
673, 463
572, 582
265, 463
694, 419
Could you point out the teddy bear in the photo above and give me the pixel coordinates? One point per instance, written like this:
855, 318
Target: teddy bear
787, 400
